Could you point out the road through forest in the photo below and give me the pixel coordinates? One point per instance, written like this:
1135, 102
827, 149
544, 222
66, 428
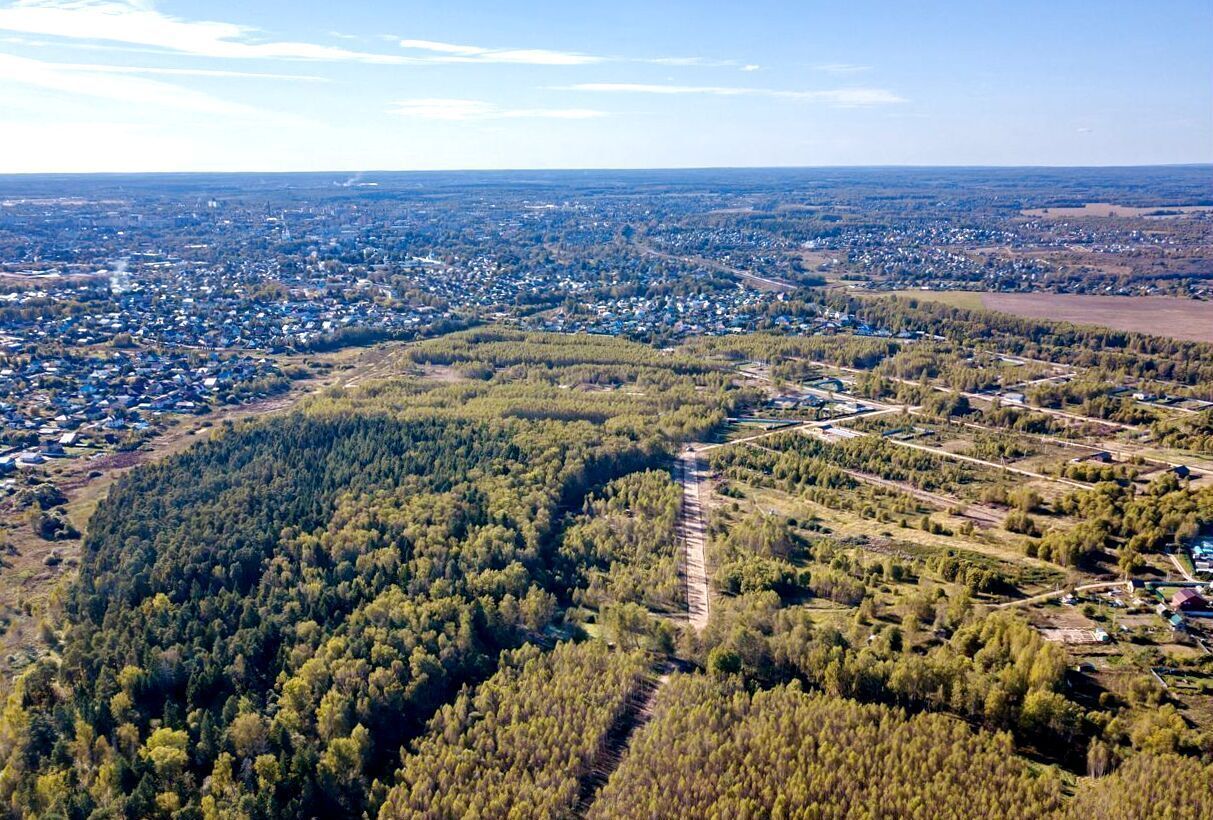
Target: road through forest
692, 534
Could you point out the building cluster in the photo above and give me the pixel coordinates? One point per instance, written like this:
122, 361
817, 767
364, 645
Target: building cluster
733, 310
62, 405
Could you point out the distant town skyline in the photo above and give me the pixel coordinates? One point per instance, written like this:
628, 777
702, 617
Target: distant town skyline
139, 85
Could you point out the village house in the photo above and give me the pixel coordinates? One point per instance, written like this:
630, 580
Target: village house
1188, 600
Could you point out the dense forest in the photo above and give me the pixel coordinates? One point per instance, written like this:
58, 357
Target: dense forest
524, 743
458, 592
714, 750
262, 622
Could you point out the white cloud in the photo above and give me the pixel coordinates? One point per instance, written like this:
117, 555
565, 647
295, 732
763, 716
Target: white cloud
440, 52
750, 67
842, 68
438, 108
442, 48
82, 81
184, 72
138, 23
834, 96
455, 53
688, 61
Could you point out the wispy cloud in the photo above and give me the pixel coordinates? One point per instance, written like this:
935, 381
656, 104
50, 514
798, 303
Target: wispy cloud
439, 108
750, 67
101, 68
81, 81
833, 96
439, 52
842, 68
686, 61
455, 53
138, 23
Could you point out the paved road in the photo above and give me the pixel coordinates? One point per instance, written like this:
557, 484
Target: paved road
692, 532
744, 275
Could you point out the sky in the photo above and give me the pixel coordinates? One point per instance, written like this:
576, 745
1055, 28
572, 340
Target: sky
272, 85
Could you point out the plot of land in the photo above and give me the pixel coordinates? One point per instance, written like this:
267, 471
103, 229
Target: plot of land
1159, 315
967, 299
1108, 209
1070, 635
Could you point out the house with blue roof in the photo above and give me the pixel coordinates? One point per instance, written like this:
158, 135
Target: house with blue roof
1201, 553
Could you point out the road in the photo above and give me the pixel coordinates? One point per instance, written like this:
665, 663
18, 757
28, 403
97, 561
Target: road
692, 534
752, 278
1057, 593
979, 514
884, 407
1116, 425
787, 428
1182, 570
993, 464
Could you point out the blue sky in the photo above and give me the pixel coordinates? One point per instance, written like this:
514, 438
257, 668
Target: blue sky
141, 85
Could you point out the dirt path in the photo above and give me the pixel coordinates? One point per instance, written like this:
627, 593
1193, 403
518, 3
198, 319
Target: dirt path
692, 532
637, 713
1057, 593
984, 516
1182, 570
1078, 485
1115, 425
804, 426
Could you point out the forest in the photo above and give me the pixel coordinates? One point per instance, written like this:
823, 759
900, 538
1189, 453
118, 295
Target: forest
459, 591
263, 621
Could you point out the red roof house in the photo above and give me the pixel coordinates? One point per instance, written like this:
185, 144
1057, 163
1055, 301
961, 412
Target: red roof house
1188, 600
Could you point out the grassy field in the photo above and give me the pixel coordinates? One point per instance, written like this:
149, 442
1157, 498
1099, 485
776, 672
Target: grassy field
1170, 316
967, 299
1108, 209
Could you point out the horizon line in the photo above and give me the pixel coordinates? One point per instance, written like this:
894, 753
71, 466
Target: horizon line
616, 169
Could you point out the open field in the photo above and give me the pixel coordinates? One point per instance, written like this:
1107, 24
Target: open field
967, 299
1160, 315
1170, 316
1109, 209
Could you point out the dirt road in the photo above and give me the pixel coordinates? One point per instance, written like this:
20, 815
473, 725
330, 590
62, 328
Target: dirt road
692, 533
1057, 593
1078, 485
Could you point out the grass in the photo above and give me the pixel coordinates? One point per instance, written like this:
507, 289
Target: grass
1186, 561
967, 299
1031, 574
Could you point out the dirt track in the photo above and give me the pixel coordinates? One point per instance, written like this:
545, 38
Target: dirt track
692, 532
